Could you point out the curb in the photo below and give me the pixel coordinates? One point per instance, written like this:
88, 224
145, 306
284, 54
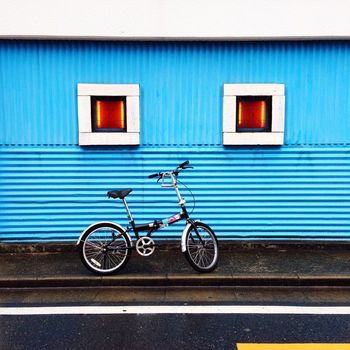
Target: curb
174, 280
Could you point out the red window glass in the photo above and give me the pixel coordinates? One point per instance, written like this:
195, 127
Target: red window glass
253, 113
109, 114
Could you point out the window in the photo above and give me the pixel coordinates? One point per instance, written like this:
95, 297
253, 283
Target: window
109, 114
253, 114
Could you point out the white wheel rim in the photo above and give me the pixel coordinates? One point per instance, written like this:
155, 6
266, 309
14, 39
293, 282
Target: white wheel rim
198, 253
94, 255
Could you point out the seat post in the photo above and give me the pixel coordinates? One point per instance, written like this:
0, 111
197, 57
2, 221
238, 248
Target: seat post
127, 209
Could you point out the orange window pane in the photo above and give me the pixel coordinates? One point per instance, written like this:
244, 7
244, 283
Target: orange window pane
252, 114
110, 114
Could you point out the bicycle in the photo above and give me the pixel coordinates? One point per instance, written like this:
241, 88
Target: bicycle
105, 247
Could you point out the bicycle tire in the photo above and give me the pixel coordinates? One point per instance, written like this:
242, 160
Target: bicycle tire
104, 248
203, 257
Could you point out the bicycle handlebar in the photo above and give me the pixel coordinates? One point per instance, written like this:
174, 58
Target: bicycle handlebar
154, 175
175, 172
184, 164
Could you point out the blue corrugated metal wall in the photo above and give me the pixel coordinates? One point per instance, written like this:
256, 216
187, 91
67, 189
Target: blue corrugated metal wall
181, 87
51, 188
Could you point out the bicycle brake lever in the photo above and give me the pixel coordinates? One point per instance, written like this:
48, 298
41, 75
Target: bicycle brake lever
188, 167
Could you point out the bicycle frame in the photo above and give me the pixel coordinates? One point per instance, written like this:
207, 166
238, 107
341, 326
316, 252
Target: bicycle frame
151, 227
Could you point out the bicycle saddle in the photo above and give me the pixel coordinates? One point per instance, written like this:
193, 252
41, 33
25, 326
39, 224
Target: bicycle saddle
119, 193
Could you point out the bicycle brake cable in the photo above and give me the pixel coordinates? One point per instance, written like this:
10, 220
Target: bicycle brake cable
194, 199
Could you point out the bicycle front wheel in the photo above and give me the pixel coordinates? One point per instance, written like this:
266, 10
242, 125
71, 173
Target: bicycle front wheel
104, 248
202, 251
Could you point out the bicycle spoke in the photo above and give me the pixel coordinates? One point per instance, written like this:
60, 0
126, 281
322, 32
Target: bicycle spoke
115, 260
93, 244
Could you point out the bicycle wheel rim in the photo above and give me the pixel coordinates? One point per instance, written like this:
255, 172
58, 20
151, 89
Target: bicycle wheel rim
203, 255
111, 259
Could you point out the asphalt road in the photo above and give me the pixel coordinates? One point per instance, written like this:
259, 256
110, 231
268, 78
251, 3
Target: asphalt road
168, 331
177, 329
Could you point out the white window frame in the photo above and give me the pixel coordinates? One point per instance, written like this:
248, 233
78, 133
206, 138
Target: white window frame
132, 94
273, 137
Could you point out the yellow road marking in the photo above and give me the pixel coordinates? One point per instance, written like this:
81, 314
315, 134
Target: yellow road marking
314, 346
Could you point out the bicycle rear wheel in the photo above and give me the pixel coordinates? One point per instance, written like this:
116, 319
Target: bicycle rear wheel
202, 251
105, 248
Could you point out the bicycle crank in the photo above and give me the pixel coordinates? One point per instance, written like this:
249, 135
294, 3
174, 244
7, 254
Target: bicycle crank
145, 246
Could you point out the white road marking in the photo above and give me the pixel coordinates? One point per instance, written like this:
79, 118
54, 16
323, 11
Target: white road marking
176, 309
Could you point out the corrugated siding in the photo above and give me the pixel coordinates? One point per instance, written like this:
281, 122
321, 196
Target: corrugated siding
181, 87
51, 189
292, 192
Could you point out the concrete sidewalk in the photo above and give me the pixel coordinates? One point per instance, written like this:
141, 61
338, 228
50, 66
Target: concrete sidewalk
239, 265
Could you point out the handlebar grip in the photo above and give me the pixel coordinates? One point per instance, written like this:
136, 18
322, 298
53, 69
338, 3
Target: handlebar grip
184, 164
153, 175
